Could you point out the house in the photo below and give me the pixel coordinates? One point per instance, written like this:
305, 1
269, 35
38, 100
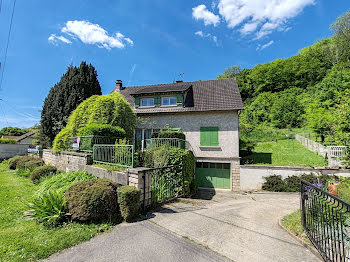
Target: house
207, 113
27, 138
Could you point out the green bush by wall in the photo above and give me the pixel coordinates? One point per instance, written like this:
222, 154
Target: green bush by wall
22, 162
42, 171
169, 134
129, 202
110, 109
93, 201
12, 162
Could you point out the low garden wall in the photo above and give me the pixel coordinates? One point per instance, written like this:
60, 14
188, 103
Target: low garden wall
252, 176
11, 150
74, 161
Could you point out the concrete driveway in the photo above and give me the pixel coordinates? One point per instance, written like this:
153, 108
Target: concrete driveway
141, 241
240, 227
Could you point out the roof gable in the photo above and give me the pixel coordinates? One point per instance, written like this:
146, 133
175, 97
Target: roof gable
209, 95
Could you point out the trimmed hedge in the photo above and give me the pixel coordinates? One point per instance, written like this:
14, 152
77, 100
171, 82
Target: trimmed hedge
8, 141
344, 192
36, 162
129, 202
12, 162
102, 130
93, 201
275, 183
110, 109
42, 171
22, 162
172, 134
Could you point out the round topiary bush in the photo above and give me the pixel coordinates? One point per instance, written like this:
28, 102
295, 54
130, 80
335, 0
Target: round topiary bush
111, 110
129, 202
36, 162
42, 171
13, 162
21, 163
93, 200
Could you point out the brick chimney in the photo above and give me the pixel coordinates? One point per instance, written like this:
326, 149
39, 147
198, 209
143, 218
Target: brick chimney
118, 86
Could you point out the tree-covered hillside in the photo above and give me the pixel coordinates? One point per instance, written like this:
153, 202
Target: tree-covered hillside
311, 89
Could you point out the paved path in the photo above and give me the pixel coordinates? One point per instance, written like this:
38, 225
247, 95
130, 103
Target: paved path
240, 227
141, 241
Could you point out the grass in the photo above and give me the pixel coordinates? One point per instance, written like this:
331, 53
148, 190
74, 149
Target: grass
281, 153
292, 223
110, 167
25, 240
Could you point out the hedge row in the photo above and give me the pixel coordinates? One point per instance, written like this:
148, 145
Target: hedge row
8, 141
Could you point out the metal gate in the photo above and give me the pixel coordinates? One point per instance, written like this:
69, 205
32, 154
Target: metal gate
326, 221
167, 183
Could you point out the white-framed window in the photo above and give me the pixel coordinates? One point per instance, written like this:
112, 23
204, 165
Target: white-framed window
169, 101
146, 102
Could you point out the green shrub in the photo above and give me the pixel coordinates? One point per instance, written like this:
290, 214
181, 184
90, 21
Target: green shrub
62, 181
12, 162
344, 192
292, 183
101, 130
8, 141
172, 134
23, 172
110, 109
30, 165
22, 162
42, 171
48, 208
93, 201
129, 202
274, 183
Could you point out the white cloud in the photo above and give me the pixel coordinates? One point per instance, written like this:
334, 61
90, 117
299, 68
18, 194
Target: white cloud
261, 47
202, 13
208, 35
260, 17
92, 34
54, 38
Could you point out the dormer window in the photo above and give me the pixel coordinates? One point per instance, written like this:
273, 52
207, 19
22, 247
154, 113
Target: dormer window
169, 101
147, 102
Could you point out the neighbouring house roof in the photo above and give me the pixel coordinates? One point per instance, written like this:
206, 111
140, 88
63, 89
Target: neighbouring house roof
209, 95
19, 138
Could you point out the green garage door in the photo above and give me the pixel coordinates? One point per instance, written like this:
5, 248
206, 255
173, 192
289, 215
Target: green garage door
213, 175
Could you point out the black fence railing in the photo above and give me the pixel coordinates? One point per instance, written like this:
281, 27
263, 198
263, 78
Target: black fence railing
167, 183
326, 221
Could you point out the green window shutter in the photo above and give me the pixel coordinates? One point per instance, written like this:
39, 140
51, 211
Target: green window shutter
137, 101
157, 100
209, 136
179, 99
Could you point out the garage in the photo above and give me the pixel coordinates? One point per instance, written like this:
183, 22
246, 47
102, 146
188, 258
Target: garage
213, 175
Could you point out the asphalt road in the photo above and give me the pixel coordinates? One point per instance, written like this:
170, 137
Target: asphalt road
140, 241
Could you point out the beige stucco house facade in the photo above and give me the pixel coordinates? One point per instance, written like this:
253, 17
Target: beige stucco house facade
206, 112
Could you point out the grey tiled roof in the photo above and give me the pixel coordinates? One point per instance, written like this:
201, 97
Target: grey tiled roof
209, 95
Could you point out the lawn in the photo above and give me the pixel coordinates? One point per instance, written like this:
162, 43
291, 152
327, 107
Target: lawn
281, 153
292, 223
25, 240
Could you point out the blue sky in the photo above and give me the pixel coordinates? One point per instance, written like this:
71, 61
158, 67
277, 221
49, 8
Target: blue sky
146, 42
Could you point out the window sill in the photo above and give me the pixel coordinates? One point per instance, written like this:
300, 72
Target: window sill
210, 148
142, 107
169, 106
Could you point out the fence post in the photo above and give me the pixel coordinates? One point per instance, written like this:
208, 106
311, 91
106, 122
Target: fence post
144, 189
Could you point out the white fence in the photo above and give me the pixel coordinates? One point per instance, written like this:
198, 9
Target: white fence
332, 152
312, 145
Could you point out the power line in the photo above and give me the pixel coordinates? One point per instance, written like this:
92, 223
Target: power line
7, 45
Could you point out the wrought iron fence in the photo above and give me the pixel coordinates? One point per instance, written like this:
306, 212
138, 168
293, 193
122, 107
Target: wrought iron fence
167, 183
326, 221
86, 143
120, 155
